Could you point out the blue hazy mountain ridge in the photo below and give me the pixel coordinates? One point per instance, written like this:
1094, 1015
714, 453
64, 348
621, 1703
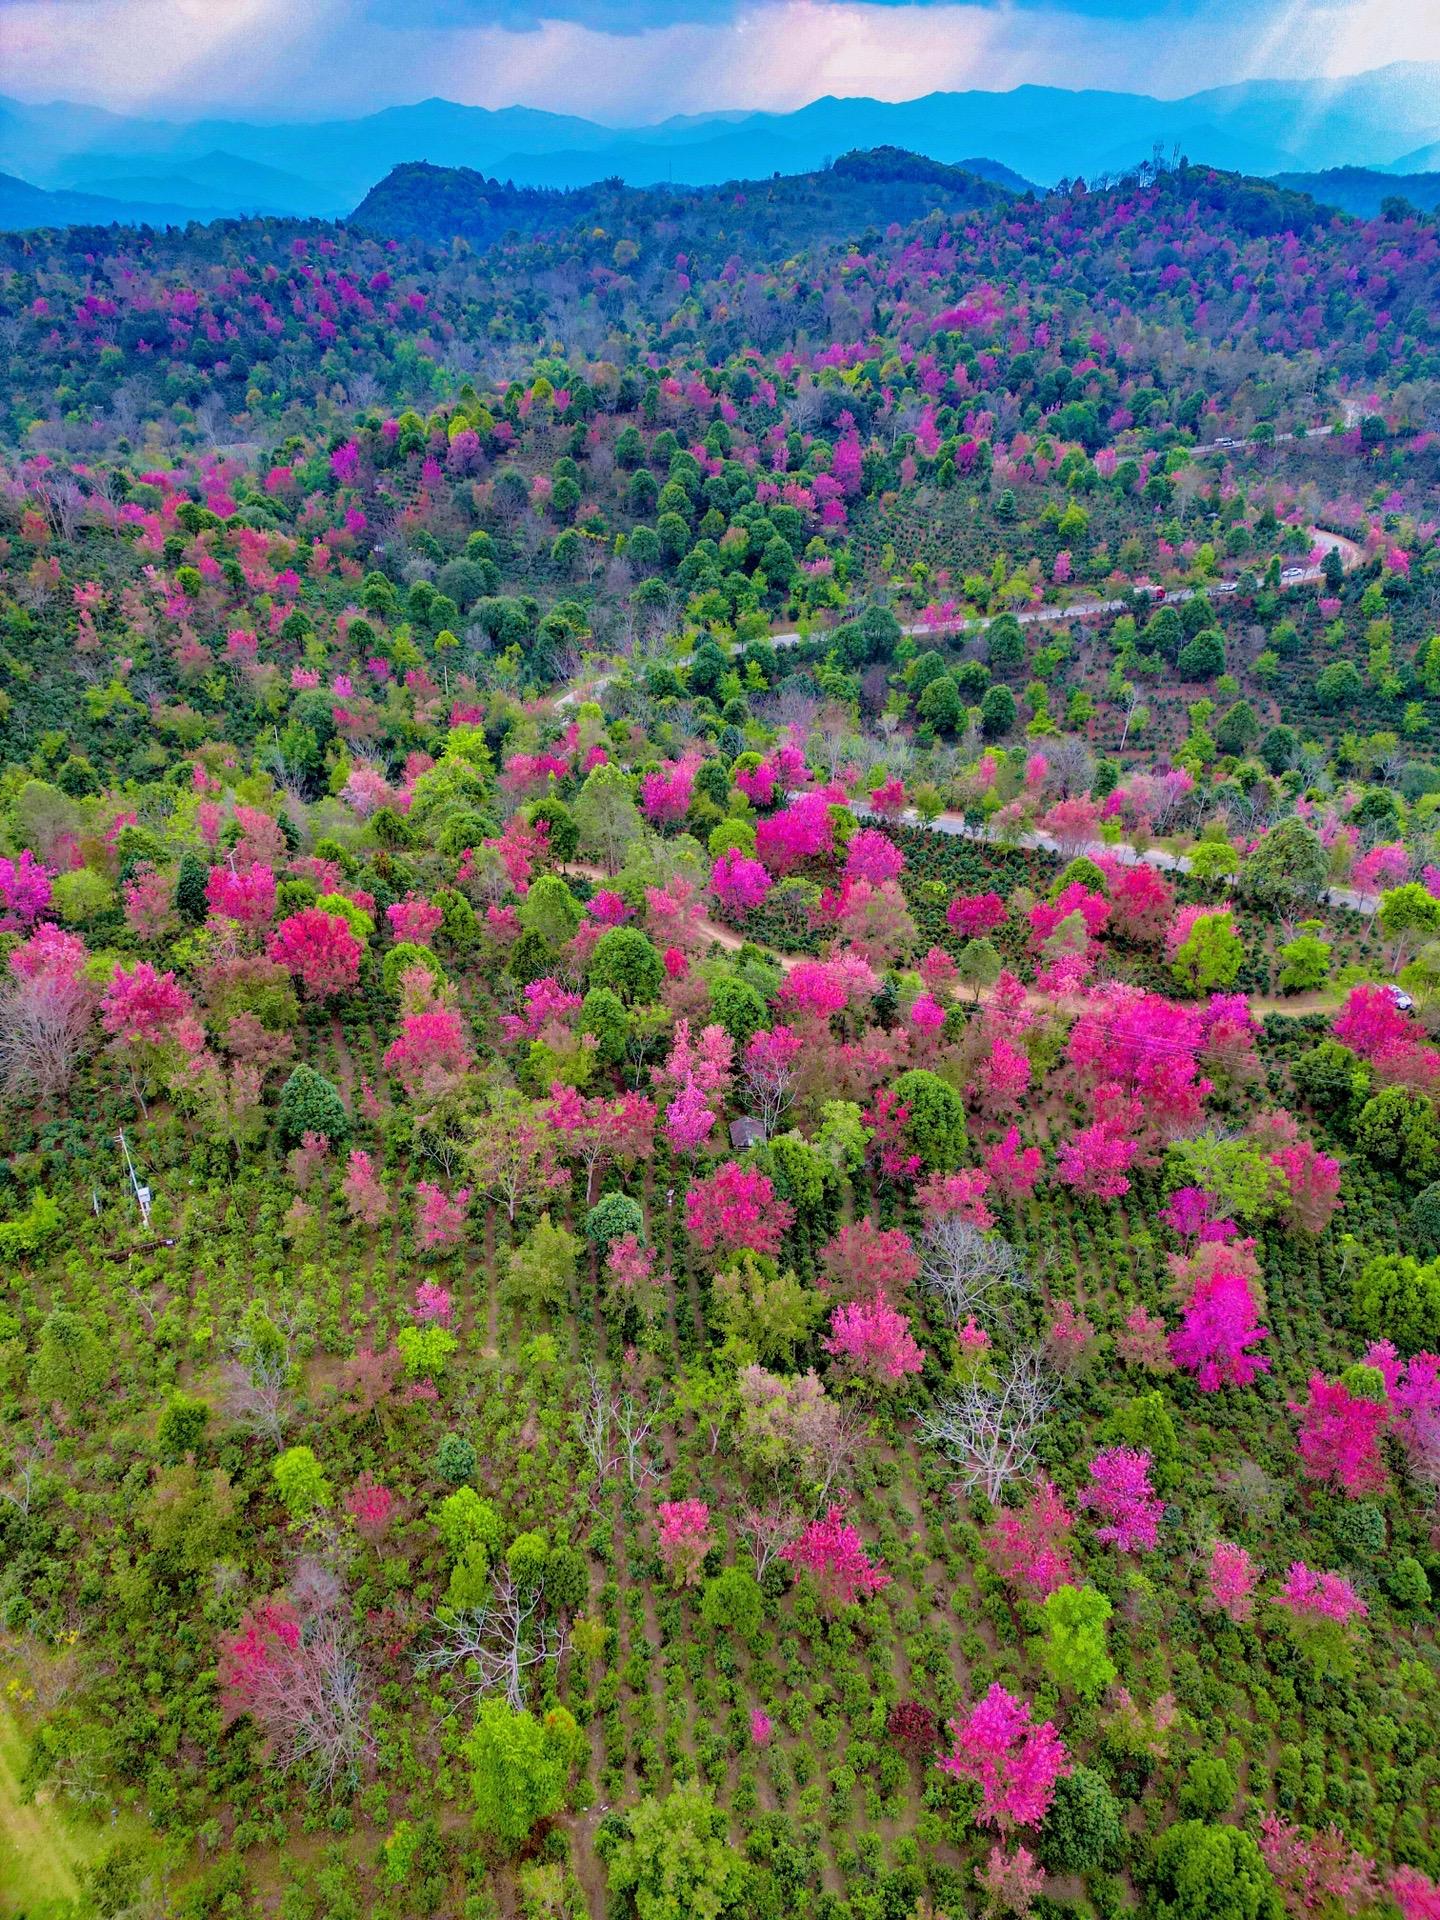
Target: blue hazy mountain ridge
1385, 120
1361, 190
217, 182
23, 207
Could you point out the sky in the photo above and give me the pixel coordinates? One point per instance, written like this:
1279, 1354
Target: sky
632, 62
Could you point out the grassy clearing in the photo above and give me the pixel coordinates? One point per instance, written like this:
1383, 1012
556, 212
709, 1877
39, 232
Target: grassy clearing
43, 1851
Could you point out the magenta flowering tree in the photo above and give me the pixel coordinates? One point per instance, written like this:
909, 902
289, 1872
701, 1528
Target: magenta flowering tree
439, 1217
369, 1505
547, 1004
1096, 1160
888, 1118
1029, 1546
24, 891
832, 1551
593, 1131
433, 1305
1120, 1493
1414, 1893
1219, 1331
801, 831
976, 914
861, 1260
739, 884
689, 1119
956, 1196
666, 794
247, 896
1014, 1760
685, 1539
365, 1196
432, 1055
1412, 1389
1390, 1039
1002, 1078
820, 989
1313, 1179
1317, 1871
1014, 1170
1318, 1599
149, 905
736, 1207
319, 950
873, 856
1046, 915
1012, 1882
873, 1341
1339, 1437
144, 1008
704, 1062
1230, 1582
414, 918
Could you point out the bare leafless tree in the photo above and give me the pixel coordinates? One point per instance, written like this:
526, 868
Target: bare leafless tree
768, 1529
43, 1024
969, 1272
495, 1647
634, 1420
258, 1395
594, 1426
990, 1428
310, 1700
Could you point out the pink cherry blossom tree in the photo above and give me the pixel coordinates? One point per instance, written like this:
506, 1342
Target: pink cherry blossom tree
1316, 1871
1219, 1331
832, 1551
320, 951
365, 1196
1121, 1494
1230, 1582
24, 891
1029, 1546
861, 1260
685, 1539
873, 1341
736, 1207
432, 1055
1014, 1760
1339, 1437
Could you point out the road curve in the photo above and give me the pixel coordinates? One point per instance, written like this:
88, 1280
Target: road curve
1291, 577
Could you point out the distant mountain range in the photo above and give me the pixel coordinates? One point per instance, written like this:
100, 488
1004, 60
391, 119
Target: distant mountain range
1362, 191
1384, 121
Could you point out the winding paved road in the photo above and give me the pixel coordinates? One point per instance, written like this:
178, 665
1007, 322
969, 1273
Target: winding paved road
1290, 577
960, 828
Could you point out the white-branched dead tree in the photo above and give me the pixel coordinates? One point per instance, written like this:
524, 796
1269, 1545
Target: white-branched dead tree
768, 1530
970, 1272
990, 1428
614, 1430
44, 1022
495, 1647
594, 1426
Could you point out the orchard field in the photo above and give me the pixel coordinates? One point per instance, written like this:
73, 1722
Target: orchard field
596, 1317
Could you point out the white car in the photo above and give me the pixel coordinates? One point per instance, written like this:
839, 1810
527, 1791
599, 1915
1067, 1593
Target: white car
1400, 997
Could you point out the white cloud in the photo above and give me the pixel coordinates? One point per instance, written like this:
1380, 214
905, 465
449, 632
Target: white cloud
305, 58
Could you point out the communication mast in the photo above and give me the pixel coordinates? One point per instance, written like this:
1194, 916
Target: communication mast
142, 1194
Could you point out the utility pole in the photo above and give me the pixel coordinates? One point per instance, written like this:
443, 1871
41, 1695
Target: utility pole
142, 1194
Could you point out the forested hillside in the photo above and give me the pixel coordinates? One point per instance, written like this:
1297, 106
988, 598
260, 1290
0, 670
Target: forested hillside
719, 969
